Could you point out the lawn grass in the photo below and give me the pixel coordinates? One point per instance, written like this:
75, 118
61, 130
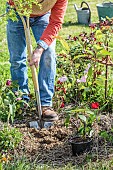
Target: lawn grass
70, 27
23, 164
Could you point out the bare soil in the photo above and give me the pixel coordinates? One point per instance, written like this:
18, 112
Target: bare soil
52, 145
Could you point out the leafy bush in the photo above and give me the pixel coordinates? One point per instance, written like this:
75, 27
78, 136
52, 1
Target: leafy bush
88, 67
11, 102
9, 138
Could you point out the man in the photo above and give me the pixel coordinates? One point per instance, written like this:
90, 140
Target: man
45, 27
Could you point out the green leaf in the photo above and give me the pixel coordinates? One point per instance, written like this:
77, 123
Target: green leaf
6, 102
90, 52
82, 117
1, 167
11, 109
80, 110
104, 134
82, 87
90, 72
97, 47
104, 52
90, 112
87, 89
100, 81
98, 34
67, 120
65, 45
63, 42
79, 56
103, 107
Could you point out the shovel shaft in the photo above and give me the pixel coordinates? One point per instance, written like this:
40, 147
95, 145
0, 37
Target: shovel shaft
33, 68
38, 104
34, 77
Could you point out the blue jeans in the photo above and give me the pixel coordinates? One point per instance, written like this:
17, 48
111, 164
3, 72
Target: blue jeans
17, 49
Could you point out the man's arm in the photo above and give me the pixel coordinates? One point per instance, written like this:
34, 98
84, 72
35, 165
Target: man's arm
55, 23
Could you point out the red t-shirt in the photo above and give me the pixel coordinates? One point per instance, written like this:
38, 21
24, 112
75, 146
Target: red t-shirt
55, 21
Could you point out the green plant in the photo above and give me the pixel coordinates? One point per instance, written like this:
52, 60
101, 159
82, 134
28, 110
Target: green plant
107, 136
60, 92
82, 120
11, 102
88, 66
9, 138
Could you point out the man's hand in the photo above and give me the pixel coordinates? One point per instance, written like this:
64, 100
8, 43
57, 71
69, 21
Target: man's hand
36, 56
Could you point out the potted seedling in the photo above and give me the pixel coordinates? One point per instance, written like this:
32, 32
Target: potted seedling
83, 120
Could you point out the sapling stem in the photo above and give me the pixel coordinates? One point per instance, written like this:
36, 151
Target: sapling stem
84, 131
106, 77
106, 74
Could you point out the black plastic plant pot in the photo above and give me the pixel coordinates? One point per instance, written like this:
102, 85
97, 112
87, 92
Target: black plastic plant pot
80, 145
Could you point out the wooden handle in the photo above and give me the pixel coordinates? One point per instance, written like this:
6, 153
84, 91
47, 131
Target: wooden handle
33, 68
29, 49
34, 77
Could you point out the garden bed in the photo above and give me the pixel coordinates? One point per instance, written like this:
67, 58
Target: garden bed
51, 146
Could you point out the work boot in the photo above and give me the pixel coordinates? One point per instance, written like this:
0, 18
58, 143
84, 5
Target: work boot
49, 114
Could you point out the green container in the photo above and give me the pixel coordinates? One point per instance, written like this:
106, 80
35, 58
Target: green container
105, 10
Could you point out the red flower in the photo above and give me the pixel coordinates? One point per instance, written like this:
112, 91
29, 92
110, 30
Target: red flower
83, 34
75, 38
8, 82
64, 90
59, 82
95, 105
98, 72
62, 105
99, 43
92, 26
58, 89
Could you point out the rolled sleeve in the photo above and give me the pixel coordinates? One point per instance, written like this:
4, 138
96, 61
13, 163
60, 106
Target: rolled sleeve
43, 44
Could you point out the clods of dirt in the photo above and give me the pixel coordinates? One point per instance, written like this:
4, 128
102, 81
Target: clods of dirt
52, 146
